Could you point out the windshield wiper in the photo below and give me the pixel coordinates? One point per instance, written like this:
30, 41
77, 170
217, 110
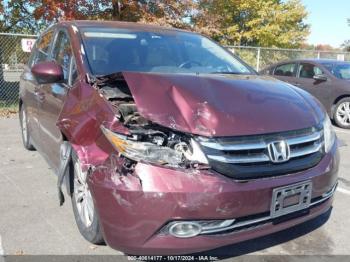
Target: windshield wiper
103, 80
106, 79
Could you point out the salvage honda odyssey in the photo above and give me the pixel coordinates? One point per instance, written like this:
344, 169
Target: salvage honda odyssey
169, 144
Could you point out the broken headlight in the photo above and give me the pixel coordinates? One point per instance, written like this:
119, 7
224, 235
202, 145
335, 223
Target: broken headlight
154, 151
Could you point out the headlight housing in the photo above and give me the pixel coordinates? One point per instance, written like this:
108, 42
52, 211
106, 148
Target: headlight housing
153, 152
328, 134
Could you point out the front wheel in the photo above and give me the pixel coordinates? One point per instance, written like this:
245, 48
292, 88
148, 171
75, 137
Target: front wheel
24, 129
342, 113
83, 205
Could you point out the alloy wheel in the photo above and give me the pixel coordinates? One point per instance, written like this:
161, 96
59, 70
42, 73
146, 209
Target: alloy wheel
82, 195
343, 113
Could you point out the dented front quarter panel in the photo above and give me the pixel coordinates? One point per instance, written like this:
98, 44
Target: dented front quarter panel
84, 111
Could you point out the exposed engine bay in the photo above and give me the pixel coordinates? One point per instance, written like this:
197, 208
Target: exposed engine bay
148, 141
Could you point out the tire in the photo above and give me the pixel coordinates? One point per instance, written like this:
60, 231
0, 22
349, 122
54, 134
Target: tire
342, 113
83, 206
26, 139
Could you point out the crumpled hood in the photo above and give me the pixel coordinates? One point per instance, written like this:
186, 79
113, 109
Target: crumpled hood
222, 105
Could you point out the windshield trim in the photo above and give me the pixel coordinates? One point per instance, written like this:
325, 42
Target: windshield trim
250, 69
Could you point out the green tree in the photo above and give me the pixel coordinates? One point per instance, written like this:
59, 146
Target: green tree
346, 46
271, 23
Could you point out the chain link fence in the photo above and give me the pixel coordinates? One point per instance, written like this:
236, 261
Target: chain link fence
259, 57
15, 51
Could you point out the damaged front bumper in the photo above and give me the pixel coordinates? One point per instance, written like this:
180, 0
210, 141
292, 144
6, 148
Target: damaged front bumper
136, 206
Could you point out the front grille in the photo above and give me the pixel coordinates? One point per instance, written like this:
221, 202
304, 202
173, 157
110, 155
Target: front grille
247, 157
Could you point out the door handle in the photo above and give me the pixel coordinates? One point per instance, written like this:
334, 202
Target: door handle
297, 84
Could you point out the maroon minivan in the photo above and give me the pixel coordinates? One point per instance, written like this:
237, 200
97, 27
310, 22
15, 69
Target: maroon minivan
169, 144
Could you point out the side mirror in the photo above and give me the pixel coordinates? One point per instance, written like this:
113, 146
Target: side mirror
320, 78
48, 72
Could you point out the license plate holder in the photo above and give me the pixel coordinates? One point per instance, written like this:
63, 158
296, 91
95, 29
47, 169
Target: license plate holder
291, 198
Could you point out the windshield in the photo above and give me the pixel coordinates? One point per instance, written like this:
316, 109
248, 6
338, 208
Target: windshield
339, 70
115, 50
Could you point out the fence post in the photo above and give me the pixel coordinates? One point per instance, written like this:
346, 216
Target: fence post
258, 59
1, 77
318, 55
1, 73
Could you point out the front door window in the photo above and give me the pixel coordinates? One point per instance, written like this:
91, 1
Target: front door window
309, 70
62, 53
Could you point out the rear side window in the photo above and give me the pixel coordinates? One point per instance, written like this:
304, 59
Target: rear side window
42, 48
62, 53
309, 70
285, 70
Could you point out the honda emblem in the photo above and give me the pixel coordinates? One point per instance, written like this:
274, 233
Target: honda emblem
279, 151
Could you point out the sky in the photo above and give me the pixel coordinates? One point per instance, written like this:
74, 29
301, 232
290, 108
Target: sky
328, 20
